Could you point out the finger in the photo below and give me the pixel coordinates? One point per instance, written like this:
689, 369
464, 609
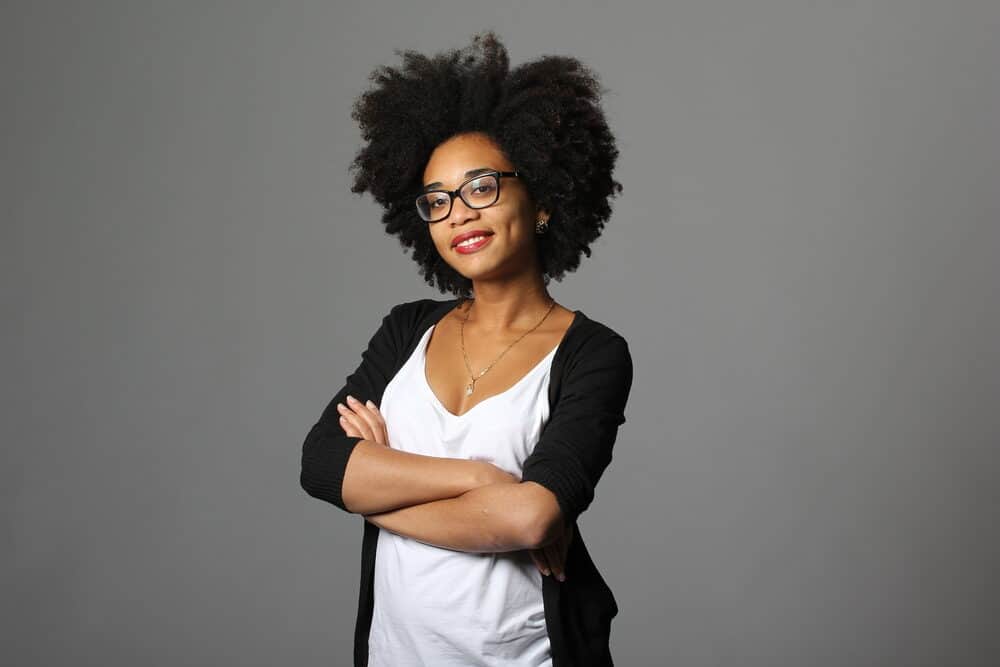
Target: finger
368, 420
355, 421
376, 413
349, 429
352, 419
554, 557
373, 421
383, 428
541, 562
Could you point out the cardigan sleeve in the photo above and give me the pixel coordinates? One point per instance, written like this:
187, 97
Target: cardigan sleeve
327, 449
576, 442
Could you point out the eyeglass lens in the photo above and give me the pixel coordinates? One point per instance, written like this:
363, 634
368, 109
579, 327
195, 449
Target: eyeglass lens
480, 192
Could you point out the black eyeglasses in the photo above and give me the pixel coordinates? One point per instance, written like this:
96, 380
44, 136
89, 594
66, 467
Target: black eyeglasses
477, 192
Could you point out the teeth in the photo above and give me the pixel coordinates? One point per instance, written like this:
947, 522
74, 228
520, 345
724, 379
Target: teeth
474, 239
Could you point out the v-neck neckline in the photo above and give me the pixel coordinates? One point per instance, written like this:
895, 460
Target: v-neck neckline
425, 343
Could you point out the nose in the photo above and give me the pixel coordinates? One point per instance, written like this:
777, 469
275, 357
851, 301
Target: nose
461, 212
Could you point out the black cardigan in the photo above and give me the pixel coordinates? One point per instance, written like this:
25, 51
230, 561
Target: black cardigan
589, 384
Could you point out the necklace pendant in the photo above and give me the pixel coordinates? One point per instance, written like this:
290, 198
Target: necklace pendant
469, 387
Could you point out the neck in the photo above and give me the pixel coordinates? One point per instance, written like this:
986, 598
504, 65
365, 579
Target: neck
509, 305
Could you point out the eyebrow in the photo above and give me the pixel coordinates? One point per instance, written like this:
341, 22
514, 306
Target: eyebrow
468, 174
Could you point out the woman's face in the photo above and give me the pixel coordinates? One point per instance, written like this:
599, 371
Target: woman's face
507, 247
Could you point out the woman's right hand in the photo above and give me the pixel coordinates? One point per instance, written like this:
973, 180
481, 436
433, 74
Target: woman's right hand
551, 559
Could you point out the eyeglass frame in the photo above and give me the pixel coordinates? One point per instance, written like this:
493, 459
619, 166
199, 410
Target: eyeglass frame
457, 193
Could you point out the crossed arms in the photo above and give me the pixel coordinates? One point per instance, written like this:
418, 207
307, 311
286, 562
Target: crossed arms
453, 503
471, 505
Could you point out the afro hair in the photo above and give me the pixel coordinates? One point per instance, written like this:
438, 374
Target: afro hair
545, 116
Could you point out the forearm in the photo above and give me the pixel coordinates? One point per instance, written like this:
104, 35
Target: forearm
381, 479
488, 519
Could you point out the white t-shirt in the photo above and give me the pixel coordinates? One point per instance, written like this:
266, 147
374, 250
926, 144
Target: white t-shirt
438, 607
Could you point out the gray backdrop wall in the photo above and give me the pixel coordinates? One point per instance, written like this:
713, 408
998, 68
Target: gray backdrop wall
803, 262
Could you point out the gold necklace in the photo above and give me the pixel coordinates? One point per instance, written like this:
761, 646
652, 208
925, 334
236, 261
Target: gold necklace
469, 388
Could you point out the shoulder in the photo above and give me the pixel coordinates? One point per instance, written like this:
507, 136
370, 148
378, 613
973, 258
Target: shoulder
406, 322
402, 327
410, 314
592, 374
593, 354
588, 336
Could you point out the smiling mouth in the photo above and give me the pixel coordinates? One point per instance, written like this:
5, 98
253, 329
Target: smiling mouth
472, 244
471, 241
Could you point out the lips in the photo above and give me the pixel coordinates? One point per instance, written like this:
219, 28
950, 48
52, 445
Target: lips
465, 236
473, 244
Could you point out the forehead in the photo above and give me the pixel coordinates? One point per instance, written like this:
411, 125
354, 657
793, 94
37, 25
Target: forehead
454, 157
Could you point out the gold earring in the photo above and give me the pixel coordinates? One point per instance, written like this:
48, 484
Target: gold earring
541, 226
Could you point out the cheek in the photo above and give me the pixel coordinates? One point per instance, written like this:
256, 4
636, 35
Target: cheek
524, 228
440, 241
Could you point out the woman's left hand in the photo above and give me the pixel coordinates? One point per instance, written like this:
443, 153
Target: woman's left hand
551, 559
363, 420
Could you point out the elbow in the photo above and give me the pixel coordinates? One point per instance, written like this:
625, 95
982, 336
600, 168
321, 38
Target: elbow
309, 475
540, 520
539, 530
308, 484
311, 485
321, 487
325, 492
324, 464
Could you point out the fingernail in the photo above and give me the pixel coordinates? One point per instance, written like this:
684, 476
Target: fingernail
561, 577
370, 405
351, 399
546, 572
343, 419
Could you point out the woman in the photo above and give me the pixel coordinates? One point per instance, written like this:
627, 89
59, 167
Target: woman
475, 429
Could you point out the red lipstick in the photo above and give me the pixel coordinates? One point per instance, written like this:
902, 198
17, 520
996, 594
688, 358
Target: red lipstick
483, 235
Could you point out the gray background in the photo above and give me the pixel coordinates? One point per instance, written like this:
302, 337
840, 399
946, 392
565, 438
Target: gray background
803, 261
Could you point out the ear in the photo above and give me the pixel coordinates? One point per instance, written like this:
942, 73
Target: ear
542, 214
